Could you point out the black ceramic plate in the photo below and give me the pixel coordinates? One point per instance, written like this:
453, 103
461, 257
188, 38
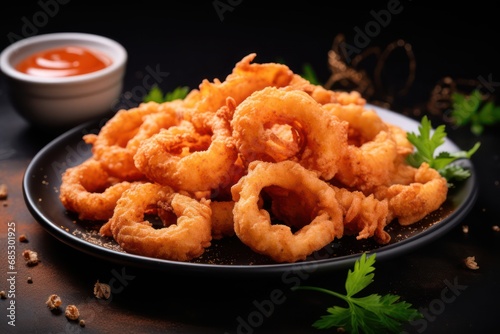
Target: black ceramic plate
228, 256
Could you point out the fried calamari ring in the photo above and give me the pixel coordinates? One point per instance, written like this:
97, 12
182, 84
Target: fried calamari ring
364, 216
88, 190
372, 152
245, 79
157, 157
364, 123
168, 115
319, 138
253, 226
114, 146
184, 240
369, 165
409, 203
191, 162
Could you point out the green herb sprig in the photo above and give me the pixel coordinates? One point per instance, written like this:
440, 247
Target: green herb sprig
156, 94
309, 74
474, 109
427, 141
370, 314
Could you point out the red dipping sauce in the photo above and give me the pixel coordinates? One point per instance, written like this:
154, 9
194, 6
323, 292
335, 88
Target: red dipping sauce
63, 62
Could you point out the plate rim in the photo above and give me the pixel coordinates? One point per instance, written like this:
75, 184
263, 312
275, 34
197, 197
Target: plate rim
383, 253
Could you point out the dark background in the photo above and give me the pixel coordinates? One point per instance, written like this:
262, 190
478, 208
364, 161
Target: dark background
192, 42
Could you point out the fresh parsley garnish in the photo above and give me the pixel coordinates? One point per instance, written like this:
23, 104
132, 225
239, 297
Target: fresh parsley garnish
369, 314
427, 141
157, 95
474, 109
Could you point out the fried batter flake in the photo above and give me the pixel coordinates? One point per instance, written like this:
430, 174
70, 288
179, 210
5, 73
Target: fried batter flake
470, 262
102, 290
53, 302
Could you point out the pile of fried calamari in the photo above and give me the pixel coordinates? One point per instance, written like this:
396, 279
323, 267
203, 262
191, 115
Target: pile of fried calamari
284, 165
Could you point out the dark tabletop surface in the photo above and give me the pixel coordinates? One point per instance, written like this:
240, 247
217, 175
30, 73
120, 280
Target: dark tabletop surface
191, 43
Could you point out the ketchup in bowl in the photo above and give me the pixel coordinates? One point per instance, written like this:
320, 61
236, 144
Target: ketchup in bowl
63, 62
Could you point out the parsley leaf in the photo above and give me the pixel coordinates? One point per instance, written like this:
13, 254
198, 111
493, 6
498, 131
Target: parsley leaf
474, 110
427, 141
369, 314
309, 74
156, 94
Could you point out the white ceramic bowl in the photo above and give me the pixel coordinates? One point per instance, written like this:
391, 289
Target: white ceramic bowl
62, 102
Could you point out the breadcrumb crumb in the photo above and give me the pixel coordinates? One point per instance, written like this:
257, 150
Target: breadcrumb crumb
72, 312
470, 262
102, 290
3, 191
31, 257
53, 302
